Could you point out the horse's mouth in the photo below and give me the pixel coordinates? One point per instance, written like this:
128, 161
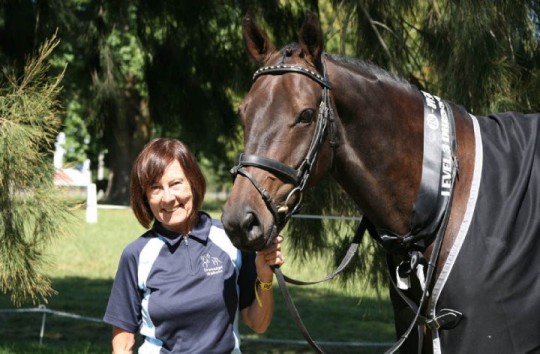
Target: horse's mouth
255, 243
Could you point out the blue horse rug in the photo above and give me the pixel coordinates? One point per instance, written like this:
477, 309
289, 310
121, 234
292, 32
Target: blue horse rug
492, 274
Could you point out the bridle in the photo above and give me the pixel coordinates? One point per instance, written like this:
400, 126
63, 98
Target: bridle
297, 176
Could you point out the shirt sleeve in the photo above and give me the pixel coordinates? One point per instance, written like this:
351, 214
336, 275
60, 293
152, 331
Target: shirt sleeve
124, 306
246, 280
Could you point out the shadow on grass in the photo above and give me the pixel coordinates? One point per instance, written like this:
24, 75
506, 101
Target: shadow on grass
329, 316
80, 296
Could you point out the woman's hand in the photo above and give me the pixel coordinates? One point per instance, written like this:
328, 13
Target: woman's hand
268, 257
259, 315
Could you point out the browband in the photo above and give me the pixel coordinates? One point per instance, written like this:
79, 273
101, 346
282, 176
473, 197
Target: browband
285, 68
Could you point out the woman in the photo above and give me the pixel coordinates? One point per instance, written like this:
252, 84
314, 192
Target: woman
182, 284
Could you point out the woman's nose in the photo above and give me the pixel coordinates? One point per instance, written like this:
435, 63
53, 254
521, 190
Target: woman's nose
168, 195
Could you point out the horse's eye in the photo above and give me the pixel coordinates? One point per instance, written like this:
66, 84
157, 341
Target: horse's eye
306, 116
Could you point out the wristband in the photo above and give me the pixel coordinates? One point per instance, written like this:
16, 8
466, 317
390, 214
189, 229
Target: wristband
261, 285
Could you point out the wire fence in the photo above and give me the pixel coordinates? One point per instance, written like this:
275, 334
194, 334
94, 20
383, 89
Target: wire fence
44, 310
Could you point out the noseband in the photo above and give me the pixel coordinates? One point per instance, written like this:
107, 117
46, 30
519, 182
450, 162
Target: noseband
297, 176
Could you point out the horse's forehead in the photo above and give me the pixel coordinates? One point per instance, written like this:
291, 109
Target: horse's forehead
266, 106
274, 101
275, 86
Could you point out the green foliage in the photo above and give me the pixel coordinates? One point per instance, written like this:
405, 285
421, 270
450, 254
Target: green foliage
491, 63
195, 66
77, 136
32, 211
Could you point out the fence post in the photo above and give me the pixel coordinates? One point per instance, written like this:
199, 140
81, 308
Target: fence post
91, 204
42, 331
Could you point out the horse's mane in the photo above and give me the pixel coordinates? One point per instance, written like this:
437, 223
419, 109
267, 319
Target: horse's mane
359, 65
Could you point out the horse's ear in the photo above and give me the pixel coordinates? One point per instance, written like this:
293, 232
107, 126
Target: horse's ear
311, 38
257, 43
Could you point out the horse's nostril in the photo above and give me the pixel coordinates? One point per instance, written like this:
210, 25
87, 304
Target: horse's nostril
251, 226
249, 221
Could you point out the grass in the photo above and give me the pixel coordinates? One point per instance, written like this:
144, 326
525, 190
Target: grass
85, 263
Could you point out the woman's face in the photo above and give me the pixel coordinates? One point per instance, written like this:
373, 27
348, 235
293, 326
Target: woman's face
171, 199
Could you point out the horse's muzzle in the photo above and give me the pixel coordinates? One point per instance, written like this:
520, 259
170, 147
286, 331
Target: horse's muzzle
245, 229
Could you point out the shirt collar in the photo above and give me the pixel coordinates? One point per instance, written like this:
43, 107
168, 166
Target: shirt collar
200, 232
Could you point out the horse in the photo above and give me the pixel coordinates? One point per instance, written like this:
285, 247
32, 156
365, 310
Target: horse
452, 198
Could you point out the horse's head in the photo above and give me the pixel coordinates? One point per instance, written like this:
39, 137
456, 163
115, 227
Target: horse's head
286, 118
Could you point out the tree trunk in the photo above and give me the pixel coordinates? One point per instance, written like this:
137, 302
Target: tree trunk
125, 135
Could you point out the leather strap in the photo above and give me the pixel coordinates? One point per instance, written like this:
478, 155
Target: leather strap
365, 224
267, 164
285, 68
294, 311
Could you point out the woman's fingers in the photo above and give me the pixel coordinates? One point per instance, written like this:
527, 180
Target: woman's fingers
272, 254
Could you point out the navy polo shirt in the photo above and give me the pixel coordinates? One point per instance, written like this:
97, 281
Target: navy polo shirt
183, 293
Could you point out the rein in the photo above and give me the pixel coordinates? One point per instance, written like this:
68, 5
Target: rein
365, 225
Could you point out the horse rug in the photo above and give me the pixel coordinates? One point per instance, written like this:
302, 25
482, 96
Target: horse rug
492, 274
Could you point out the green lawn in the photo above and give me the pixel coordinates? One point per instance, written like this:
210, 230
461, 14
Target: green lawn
84, 264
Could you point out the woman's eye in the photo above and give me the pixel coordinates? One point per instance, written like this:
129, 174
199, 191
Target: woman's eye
155, 190
306, 116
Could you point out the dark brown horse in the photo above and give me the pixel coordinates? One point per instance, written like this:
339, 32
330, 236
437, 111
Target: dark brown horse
309, 113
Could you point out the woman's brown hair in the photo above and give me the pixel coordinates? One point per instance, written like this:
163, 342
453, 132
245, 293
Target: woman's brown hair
150, 166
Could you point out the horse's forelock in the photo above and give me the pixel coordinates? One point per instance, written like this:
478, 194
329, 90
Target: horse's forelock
288, 51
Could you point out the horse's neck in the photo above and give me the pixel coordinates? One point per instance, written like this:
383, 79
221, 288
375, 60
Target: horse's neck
380, 136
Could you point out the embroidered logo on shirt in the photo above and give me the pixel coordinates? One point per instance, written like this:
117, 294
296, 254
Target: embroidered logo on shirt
211, 265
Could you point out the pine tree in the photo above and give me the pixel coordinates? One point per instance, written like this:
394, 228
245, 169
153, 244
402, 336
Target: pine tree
32, 210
